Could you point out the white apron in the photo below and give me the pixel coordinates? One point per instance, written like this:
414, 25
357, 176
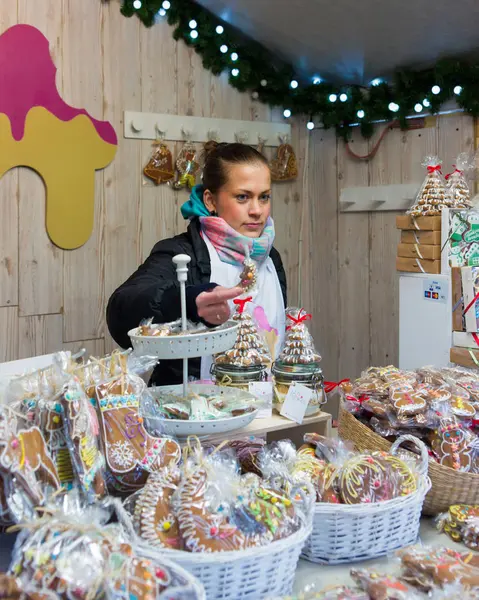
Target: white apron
267, 307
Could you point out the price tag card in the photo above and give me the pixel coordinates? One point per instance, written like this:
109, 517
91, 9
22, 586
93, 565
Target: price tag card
264, 391
296, 403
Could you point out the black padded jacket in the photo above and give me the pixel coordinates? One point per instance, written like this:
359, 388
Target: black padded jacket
153, 291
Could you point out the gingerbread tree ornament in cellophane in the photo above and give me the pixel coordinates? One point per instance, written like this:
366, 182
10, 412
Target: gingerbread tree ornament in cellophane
284, 167
457, 188
249, 348
432, 197
160, 166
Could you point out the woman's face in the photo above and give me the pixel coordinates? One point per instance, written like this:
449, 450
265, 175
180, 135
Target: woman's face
244, 202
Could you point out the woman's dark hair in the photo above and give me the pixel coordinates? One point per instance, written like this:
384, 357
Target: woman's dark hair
217, 157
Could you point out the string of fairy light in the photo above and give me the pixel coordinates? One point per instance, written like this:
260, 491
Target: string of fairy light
253, 68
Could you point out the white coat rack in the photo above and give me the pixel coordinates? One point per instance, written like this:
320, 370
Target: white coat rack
150, 126
378, 197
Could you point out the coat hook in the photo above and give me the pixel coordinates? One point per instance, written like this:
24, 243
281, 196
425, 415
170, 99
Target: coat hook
136, 124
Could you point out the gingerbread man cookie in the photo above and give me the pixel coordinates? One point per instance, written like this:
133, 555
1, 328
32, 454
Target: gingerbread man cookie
452, 443
406, 401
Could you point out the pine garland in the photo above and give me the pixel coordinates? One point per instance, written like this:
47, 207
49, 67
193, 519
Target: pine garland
269, 78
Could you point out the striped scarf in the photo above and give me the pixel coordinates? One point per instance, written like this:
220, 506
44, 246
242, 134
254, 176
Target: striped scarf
230, 244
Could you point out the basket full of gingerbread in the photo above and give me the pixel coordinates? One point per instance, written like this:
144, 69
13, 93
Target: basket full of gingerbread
240, 535
368, 504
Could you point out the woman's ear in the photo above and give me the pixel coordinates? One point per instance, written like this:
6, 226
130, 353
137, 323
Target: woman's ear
209, 201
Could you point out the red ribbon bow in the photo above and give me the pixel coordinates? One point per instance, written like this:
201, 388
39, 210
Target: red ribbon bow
329, 386
299, 319
431, 168
456, 170
241, 303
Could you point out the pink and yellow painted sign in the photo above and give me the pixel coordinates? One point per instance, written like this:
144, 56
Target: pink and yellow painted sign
65, 145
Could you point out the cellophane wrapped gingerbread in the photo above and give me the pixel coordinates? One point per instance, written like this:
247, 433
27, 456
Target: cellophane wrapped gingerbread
130, 451
432, 197
298, 348
457, 189
438, 406
72, 553
206, 505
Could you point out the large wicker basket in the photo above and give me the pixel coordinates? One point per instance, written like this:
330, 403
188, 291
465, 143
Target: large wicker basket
448, 486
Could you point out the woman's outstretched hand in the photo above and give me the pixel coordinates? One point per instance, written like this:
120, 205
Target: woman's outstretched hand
213, 305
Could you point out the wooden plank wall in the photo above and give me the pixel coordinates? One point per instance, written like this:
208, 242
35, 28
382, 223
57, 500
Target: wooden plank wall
339, 266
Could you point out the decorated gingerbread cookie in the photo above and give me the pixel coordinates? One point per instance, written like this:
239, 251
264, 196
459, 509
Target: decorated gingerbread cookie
129, 448
462, 408
201, 529
406, 401
24, 454
366, 478
83, 429
154, 517
428, 567
383, 587
453, 444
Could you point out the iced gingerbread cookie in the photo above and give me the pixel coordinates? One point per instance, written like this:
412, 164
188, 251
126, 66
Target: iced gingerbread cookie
383, 587
429, 567
248, 276
83, 428
24, 454
128, 446
371, 478
201, 529
452, 443
154, 518
406, 401
462, 408
400, 472
376, 407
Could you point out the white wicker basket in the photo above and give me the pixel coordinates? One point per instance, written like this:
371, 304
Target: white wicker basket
252, 574
345, 533
185, 346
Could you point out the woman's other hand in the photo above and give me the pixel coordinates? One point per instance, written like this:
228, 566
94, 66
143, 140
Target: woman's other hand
213, 305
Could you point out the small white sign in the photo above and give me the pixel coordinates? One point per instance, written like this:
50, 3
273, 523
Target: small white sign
434, 291
296, 403
264, 391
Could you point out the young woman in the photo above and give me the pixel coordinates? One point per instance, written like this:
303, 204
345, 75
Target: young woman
230, 210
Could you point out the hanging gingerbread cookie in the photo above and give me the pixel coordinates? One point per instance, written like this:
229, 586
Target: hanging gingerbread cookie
284, 167
187, 166
160, 166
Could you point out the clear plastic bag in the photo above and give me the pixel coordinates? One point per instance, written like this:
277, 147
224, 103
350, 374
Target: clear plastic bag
457, 188
432, 197
298, 347
249, 275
